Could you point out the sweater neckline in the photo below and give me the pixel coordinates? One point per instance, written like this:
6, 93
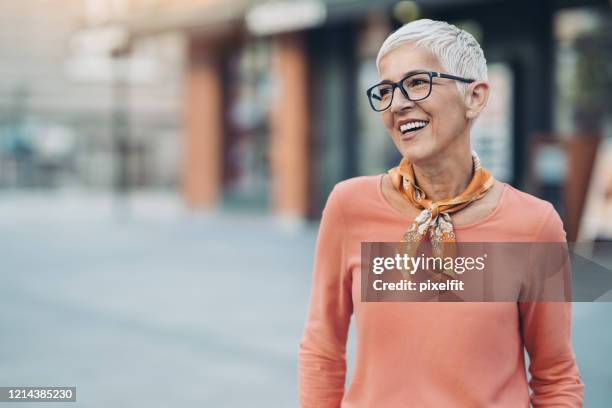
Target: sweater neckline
487, 218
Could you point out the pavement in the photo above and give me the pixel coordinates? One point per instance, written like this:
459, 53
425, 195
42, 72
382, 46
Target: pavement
139, 302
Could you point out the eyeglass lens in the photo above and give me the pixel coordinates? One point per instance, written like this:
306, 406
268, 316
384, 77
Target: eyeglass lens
416, 86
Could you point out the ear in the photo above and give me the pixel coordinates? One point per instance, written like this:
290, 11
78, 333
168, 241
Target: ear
476, 97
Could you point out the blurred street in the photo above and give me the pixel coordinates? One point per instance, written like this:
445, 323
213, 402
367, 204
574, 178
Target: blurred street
153, 311
149, 305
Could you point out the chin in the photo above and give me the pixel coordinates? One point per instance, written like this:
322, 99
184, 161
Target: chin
416, 152
415, 158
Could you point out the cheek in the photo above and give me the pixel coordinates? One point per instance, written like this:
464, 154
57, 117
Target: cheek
447, 117
387, 120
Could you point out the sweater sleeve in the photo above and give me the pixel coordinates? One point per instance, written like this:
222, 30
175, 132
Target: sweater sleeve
546, 330
322, 354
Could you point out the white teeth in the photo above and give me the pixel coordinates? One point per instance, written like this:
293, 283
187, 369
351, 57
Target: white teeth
412, 125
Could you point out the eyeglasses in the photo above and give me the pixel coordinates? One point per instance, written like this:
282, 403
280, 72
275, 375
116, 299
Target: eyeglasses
415, 86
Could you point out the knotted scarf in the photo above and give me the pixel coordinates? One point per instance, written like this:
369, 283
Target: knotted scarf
435, 217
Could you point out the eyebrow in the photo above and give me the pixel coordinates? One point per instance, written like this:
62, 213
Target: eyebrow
404, 75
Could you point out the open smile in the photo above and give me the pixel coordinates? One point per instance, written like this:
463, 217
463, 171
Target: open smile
410, 129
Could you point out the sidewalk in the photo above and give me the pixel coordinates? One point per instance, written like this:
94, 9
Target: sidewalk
145, 304
154, 307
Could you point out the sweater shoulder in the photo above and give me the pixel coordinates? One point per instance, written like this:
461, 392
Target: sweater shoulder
357, 195
356, 189
355, 184
527, 203
536, 216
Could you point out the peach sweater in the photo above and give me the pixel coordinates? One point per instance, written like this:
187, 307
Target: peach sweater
413, 354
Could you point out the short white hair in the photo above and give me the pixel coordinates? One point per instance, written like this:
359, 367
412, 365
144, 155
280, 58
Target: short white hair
455, 49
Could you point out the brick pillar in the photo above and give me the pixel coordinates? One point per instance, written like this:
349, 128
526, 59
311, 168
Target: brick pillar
581, 152
203, 128
289, 126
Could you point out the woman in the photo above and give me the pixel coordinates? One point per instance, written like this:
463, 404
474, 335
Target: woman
426, 354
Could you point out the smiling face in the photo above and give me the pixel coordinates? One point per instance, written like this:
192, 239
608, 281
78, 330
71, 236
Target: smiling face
443, 112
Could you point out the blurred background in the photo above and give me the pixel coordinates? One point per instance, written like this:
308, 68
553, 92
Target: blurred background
164, 164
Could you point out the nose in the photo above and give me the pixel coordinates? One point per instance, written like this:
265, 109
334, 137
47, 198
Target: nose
399, 101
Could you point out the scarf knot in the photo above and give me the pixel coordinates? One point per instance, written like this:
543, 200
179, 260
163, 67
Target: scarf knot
434, 219
433, 209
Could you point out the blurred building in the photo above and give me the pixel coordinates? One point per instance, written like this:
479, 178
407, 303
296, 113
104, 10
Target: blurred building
275, 111
70, 114
260, 105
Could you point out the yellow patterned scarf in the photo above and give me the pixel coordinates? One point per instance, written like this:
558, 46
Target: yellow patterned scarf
435, 216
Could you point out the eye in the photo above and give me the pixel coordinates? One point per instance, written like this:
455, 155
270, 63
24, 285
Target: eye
417, 82
385, 91
382, 92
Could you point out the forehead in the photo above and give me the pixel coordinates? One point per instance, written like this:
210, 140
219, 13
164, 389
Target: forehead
406, 57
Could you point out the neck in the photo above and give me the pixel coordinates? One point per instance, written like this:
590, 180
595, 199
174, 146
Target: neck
446, 176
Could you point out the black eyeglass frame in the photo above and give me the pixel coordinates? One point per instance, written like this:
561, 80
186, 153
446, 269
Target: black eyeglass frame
399, 84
